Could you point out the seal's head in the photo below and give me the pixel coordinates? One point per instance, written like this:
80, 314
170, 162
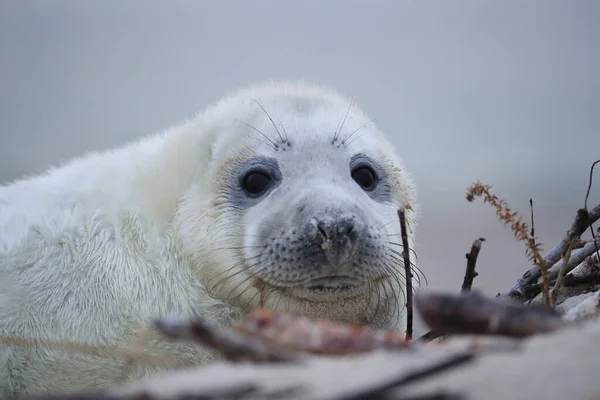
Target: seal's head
295, 207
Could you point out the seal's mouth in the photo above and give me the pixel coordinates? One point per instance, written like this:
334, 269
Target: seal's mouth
331, 286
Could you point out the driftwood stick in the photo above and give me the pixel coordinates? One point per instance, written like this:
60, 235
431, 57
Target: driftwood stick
235, 391
577, 257
93, 350
473, 313
470, 272
232, 345
571, 281
582, 221
585, 203
408, 275
411, 377
304, 335
561, 274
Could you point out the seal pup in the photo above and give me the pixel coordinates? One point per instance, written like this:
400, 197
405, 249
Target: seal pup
281, 195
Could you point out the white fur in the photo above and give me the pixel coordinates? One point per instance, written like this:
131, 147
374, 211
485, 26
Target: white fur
94, 250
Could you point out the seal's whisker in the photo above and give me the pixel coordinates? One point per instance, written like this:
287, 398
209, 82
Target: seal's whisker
270, 119
367, 306
345, 140
418, 273
271, 143
386, 224
248, 278
346, 144
398, 278
236, 265
338, 130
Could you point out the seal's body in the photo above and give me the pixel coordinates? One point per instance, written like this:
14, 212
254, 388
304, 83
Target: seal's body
281, 196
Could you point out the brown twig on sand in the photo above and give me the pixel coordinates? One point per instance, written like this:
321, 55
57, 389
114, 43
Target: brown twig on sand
408, 275
571, 280
577, 257
93, 350
473, 313
561, 273
585, 205
415, 376
234, 346
301, 334
532, 231
470, 272
519, 228
235, 391
582, 222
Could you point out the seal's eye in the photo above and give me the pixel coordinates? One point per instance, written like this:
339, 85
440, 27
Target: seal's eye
256, 182
365, 177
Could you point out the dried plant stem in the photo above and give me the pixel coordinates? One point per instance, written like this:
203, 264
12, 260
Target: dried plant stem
470, 275
583, 221
98, 351
470, 272
411, 377
408, 275
519, 228
559, 278
233, 345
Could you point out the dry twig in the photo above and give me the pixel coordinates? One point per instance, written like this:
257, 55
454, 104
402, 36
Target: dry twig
408, 275
585, 203
93, 350
470, 275
411, 377
581, 280
561, 273
233, 345
583, 221
237, 392
473, 313
470, 272
519, 228
318, 337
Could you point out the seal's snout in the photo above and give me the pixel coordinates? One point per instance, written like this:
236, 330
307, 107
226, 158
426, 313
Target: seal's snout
338, 238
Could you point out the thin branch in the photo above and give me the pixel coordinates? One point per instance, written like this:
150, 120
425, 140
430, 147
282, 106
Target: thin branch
519, 228
587, 194
232, 345
411, 377
473, 313
582, 221
579, 280
408, 275
532, 231
470, 272
577, 257
304, 335
470, 275
93, 350
559, 278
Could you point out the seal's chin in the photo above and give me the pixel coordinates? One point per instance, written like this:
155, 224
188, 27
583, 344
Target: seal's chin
329, 288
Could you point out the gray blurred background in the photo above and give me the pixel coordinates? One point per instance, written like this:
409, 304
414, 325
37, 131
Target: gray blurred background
507, 92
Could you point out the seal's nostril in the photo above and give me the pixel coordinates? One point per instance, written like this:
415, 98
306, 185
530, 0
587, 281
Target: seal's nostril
346, 227
322, 229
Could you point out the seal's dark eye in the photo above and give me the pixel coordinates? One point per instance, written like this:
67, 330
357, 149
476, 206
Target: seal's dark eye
365, 177
256, 182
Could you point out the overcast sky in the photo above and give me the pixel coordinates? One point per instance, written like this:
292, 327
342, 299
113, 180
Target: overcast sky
503, 91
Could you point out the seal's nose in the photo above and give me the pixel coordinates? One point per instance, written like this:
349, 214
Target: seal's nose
338, 238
